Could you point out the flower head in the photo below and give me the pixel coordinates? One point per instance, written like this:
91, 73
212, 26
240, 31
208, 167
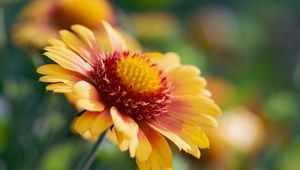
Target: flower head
144, 97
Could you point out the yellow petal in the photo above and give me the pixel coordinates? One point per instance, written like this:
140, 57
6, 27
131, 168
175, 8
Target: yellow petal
116, 40
195, 135
144, 165
67, 79
171, 130
83, 123
133, 144
122, 141
87, 97
188, 85
192, 135
54, 73
144, 147
56, 42
195, 104
119, 139
85, 34
124, 124
161, 155
87, 135
180, 143
59, 88
165, 62
202, 120
76, 45
49, 69
186, 80
194, 151
140, 147
68, 60
112, 135
93, 53
101, 122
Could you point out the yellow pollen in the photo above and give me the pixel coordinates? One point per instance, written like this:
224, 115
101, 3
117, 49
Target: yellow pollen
138, 74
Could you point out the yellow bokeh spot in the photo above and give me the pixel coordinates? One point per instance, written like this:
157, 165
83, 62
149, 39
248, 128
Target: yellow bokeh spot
138, 74
86, 12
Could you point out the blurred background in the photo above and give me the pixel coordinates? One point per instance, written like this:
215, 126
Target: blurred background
248, 51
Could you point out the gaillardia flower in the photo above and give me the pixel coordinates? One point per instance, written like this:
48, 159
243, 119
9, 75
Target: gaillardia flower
139, 98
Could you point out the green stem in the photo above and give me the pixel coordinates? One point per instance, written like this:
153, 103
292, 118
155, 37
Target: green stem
89, 158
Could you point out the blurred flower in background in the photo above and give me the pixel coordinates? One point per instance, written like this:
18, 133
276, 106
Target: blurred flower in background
154, 21
42, 19
222, 90
216, 31
242, 130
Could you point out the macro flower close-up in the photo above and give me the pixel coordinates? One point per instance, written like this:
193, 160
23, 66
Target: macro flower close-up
140, 99
149, 85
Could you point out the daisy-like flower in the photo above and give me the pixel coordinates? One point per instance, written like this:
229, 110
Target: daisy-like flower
139, 98
42, 19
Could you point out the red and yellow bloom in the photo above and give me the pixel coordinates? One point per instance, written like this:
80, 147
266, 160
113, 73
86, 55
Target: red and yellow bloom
143, 97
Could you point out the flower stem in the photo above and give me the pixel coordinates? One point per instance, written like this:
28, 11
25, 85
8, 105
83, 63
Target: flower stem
89, 158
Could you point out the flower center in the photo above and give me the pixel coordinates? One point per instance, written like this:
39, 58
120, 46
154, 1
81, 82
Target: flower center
133, 84
138, 74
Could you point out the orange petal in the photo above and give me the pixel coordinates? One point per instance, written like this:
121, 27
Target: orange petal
116, 40
87, 97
